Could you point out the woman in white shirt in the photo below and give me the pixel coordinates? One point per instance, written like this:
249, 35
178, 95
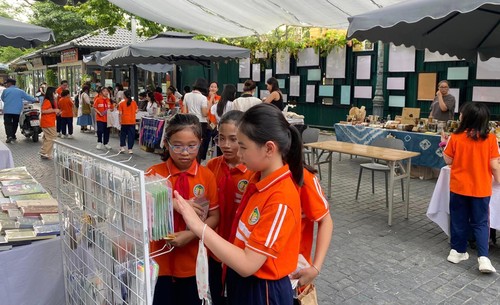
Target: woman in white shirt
246, 100
226, 102
152, 106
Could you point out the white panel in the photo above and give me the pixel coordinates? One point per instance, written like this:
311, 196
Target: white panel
269, 74
486, 94
435, 56
401, 58
396, 101
335, 63
294, 85
362, 91
244, 67
256, 72
489, 69
282, 62
310, 94
456, 93
395, 83
307, 57
240, 87
363, 67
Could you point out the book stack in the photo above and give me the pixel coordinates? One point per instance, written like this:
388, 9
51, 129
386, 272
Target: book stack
27, 211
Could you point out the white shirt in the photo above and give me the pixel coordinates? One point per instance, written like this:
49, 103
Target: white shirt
245, 103
227, 108
194, 102
152, 108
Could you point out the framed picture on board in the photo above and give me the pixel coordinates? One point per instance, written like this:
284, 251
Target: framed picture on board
427, 86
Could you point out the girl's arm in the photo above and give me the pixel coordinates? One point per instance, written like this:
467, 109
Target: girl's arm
245, 262
184, 237
274, 96
495, 168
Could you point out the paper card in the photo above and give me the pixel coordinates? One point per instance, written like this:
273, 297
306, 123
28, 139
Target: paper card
395, 83
294, 85
256, 72
268, 74
458, 73
282, 62
244, 68
314, 75
362, 91
335, 63
307, 57
281, 83
325, 90
345, 95
396, 101
486, 94
310, 93
363, 67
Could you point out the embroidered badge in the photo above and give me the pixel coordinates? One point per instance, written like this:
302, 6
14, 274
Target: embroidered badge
199, 190
254, 217
242, 185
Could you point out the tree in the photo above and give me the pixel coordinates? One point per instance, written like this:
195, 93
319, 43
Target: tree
66, 23
7, 54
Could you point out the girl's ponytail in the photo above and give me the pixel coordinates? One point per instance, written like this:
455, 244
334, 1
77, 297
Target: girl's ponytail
294, 157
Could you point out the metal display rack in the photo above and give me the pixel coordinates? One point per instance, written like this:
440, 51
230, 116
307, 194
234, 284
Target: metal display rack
104, 231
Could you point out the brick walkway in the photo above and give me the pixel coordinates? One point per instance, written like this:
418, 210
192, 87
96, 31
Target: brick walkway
368, 262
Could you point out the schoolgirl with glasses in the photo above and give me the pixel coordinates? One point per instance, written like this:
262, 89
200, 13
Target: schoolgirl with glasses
177, 281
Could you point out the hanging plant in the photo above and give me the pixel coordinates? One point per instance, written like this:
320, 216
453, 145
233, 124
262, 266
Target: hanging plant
51, 78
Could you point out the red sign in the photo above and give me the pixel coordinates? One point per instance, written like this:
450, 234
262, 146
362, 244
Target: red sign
70, 55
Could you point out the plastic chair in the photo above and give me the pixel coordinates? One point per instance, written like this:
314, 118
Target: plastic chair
375, 166
310, 135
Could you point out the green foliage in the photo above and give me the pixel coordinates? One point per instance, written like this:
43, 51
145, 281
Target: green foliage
65, 23
51, 78
289, 38
8, 54
104, 14
20, 81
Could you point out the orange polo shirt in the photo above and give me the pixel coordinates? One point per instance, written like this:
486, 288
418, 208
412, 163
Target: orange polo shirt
47, 120
102, 104
66, 106
58, 91
270, 224
127, 113
171, 101
210, 116
181, 262
314, 208
228, 205
470, 171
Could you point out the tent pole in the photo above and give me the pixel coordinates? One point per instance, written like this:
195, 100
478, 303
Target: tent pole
133, 81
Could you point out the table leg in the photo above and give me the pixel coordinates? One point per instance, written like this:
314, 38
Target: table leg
407, 191
392, 172
330, 164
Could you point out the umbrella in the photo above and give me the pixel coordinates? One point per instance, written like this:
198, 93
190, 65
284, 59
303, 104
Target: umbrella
23, 35
457, 27
172, 47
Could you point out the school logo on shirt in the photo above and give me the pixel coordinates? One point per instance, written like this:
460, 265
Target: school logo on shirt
199, 190
242, 185
254, 217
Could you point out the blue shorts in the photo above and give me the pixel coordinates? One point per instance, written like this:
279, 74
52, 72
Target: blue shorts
255, 291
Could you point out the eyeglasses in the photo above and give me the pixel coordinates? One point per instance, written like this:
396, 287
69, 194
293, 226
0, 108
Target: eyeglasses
221, 142
444, 87
179, 149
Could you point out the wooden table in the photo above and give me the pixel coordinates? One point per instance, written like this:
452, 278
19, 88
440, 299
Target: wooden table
394, 158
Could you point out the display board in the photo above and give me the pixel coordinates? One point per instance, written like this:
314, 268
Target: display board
335, 63
268, 74
396, 101
256, 72
458, 73
345, 95
295, 85
104, 230
427, 86
282, 62
244, 68
362, 91
401, 58
310, 93
395, 83
363, 67
486, 94
325, 90
307, 57
314, 75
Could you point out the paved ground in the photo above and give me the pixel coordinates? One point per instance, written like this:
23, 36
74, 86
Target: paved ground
368, 262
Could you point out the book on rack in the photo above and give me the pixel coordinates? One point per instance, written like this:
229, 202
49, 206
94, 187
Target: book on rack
30, 197
22, 189
16, 182
24, 235
27, 222
16, 173
37, 202
8, 206
7, 225
14, 213
40, 209
49, 219
43, 230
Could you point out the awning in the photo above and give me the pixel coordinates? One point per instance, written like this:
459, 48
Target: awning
172, 47
23, 35
236, 18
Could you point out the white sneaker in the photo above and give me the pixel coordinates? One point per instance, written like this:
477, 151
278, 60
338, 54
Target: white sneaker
455, 257
99, 146
63, 136
130, 151
59, 134
107, 146
122, 150
70, 136
485, 265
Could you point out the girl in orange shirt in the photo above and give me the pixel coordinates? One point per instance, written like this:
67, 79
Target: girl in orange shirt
66, 105
171, 99
472, 152
177, 281
264, 245
48, 123
232, 179
127, 110
102, 105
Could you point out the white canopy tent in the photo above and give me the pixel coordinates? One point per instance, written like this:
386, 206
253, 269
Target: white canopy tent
236, 18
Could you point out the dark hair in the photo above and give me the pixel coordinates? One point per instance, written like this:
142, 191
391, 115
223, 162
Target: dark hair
128, 97
274, 84
64, 82
201, 85
228, 95
158, 89
65, 93
249, 85
151, 96
111, 91
187, 89
179, 122
265, 122
143, 94
85, 88
49, 95
119, 86
172, 88
475, 120
233, 116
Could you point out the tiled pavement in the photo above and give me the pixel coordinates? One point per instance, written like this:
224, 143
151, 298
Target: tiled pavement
368, 262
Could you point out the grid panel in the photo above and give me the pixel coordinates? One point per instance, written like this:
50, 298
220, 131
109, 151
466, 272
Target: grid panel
103, 229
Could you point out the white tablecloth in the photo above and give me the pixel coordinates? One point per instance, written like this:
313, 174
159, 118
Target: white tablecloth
32, 274
439, 207
6, 160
